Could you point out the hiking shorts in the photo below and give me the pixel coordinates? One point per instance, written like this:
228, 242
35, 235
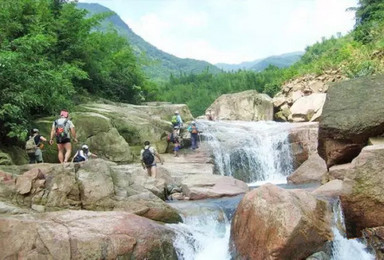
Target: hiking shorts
64, 141
150, 166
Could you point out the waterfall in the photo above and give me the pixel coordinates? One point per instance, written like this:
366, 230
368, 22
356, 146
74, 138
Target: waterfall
254, 152
205, 231
343, 248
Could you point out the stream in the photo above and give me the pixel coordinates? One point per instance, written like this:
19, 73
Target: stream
255, 152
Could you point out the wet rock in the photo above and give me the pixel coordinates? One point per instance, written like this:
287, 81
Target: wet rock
375, 239
204, 186
319, 256
332, 189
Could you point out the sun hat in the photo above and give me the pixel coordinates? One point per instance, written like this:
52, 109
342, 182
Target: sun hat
84, 147
35, 130
176, 112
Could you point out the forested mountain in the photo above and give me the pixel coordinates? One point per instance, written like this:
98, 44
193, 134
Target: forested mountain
157, 64
280, 61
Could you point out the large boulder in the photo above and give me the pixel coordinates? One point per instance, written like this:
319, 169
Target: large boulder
204, 186
94, 185
246, 106
312, 170
332, 189
273, 223
307, 108
363, 191
113, 131
353, 112
84, 235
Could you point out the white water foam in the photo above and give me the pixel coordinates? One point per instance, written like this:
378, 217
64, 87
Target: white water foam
343, 248
202, 237
255, 152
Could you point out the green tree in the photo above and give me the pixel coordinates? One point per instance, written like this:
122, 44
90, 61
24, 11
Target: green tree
369, 20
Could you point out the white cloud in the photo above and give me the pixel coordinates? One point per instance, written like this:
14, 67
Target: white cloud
233, 31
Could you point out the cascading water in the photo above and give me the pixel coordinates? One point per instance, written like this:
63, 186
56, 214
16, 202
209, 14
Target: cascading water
253, 152
343, 248
205, 231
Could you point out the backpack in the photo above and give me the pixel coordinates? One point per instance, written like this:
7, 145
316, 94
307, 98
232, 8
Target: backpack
30, 145
78, 157
148, 157
61, 131
174, 120
194, 130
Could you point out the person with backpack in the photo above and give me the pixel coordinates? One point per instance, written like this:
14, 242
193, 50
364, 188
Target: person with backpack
34, 145
175, 139
194, 131
177, 121
62, 129
148, 161
83, 154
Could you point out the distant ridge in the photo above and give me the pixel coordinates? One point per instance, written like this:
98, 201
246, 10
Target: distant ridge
281, 61
161, 64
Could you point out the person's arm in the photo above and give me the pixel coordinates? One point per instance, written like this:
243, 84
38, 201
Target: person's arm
180, 120
42, 138
52, 134
75, 155
92, 155
73, 133
158, 156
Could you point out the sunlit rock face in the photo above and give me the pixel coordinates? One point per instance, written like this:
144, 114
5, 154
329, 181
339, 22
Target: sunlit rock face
301, 99
273, 223
363, 192
246, 106
84, 235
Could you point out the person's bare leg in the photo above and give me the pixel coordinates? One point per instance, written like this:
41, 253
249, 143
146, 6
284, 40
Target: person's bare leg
68, 151
153, 171
149, 170
60, 154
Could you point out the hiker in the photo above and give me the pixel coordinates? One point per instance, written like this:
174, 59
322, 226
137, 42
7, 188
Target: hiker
83, 154
194, 131
34, 146
148, 159
62, 129
175, 139
177, 121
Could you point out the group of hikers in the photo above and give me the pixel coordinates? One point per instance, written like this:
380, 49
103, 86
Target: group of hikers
148, 153
63, 130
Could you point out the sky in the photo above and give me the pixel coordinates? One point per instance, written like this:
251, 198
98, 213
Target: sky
233, 31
